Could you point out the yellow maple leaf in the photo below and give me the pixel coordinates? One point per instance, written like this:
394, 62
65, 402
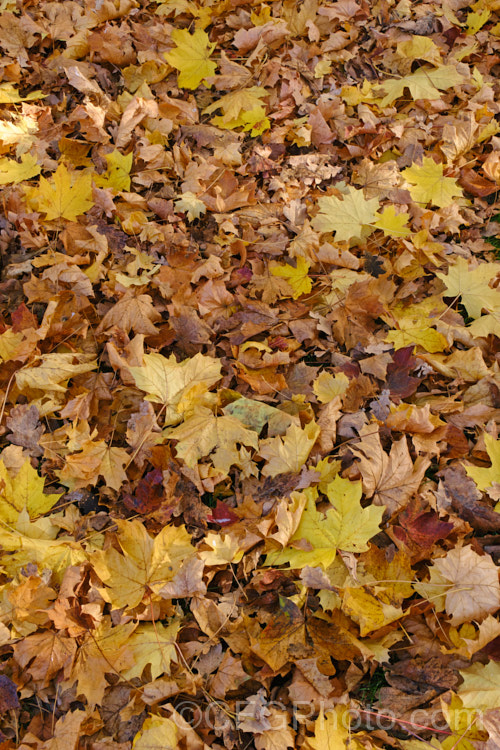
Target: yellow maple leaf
23, 490
464, 584
177, 385
191, 205
53, 372
346, 526
10, 95
191, 57
102, 647
391, 223
326, 387
424, 83
156, 732
20, 130
420, 48
331, 731
241, 109
35, 542
417, 331
350, 218
427, 184
472, 285
117, 175
65, 196
476, 21
297, 277
145, 565
153, 644
289, 453
481, 686
486, 477
204, 434
13, 172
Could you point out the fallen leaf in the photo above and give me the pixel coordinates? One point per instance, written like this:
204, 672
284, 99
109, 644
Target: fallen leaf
191, 57
65, 196
390, 479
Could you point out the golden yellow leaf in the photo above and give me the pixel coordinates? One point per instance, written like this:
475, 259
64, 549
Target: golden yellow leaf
350, 218
417, 332
35, 542
65, 196
481, 686
241, 109
297, 277
13, 172
289, 453
22, 491
327, 386
145, 565
153, 644
53, 372
391, 223
204, 435
424, 83
347, 526
191, 57
486, 477
427, 184
156, 732
177, 385
331, 730
472, 285
117, 175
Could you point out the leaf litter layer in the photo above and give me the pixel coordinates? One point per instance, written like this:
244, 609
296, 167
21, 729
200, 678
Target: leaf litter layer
250, 463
